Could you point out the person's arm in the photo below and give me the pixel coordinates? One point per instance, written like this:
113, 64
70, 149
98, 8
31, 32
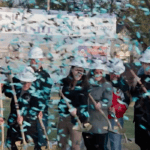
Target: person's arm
82, 110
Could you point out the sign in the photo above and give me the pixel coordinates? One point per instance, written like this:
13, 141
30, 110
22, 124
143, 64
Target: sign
69, 25
97, 51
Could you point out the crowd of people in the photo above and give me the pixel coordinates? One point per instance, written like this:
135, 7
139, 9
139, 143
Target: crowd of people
102, 80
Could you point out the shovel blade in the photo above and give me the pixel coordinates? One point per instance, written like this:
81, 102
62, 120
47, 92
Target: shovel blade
85, 129
122, 131
88, 126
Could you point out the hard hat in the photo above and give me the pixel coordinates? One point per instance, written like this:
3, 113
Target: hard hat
98, 64
79, 62
145, 58
116, 66
35, 53
27, 75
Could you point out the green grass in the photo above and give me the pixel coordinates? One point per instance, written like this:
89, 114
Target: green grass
128, 125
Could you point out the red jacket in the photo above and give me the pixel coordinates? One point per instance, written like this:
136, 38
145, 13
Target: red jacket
120, 108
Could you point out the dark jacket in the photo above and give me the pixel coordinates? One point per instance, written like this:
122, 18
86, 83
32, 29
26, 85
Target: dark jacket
142, 113
142, 104
29, 107
42, 87
78, 99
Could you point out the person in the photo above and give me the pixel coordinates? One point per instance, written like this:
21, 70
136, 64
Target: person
74, 87
29, 108
101, 91
142, 104
43, 86
120, 99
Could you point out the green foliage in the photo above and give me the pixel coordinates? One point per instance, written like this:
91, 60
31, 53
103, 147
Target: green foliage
137, 19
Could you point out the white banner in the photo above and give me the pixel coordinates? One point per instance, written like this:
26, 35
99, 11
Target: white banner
68, 25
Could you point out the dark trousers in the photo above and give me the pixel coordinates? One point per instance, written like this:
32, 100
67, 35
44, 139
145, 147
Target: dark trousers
94, 141
14, 134
142, 137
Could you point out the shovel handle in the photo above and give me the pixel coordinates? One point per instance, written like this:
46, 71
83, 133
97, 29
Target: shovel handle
18, 113
101, 111
68, 105
142, 86
44, 130
2, 125
119, 125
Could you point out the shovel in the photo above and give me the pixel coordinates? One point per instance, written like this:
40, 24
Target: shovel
121, 130
2, 125
128, 144
79, 127
18, 113
101, 111
44, 131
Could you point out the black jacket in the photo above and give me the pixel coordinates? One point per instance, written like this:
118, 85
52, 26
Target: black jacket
122, 85
42, 87
79, 100
142, 103
29, 106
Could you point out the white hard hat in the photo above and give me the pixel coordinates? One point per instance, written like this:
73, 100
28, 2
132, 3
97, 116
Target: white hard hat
98, 64
79, 62
116, 66
35, 53
145, 56
27, 75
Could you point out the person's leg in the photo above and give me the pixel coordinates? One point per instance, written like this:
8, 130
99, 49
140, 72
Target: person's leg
75, 137
115, 139
88, 141
13, 134
62, 133
100, 141
41, 138
106, 142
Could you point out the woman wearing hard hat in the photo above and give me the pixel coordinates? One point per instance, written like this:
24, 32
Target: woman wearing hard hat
29, 106
142, 104
43, 86
75, 88
120, 99
101, 91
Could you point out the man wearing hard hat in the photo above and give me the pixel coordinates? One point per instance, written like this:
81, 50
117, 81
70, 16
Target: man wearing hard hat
28, 105
43, 86
142, 103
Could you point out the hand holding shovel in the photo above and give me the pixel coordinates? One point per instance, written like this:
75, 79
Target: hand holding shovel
44, 130
128, 144
18, 114
79, 127
101, 111
112, 111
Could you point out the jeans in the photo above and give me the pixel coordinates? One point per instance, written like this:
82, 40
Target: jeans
41, 137
115, 139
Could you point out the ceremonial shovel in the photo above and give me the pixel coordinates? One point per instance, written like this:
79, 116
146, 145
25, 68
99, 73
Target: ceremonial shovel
101, 111
127, 144
44, 131
79, 127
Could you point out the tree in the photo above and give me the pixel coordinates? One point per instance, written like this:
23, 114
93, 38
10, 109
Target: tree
137, 18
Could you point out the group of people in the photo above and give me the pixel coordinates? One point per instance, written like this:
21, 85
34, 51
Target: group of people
104, 82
